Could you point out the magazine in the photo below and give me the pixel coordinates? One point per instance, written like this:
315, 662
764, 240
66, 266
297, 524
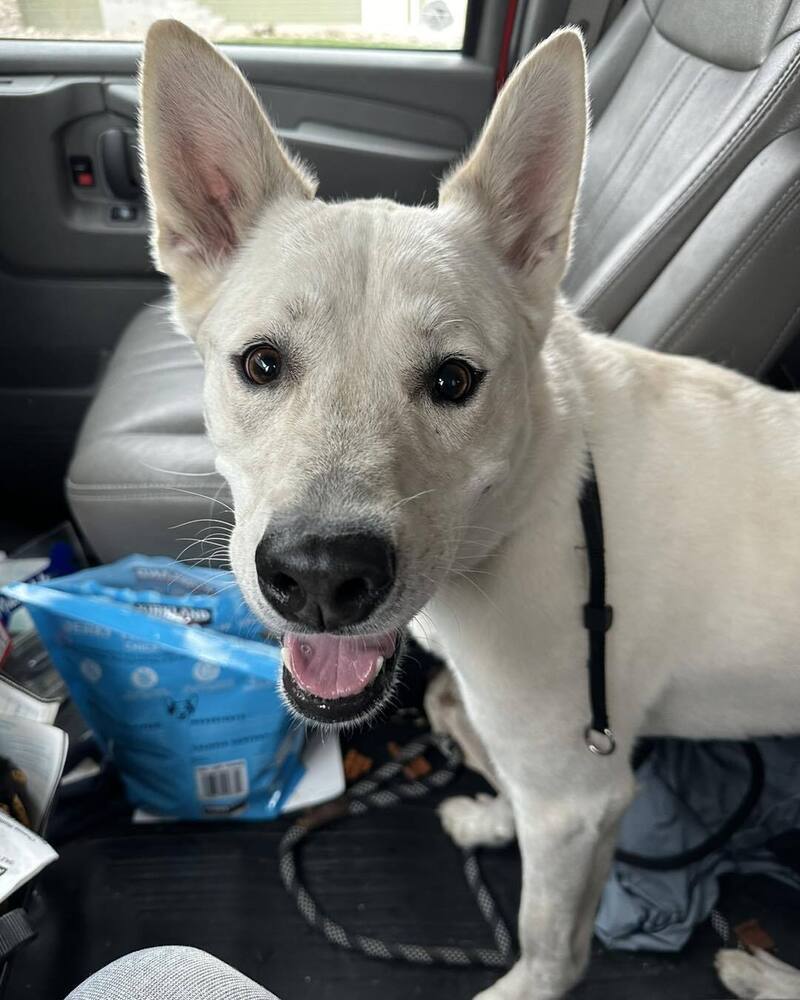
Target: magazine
37, 749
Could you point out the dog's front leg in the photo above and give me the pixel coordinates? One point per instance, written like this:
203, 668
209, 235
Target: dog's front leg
567, 844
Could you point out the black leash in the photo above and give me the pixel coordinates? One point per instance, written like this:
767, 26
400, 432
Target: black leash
597, 617
380, 790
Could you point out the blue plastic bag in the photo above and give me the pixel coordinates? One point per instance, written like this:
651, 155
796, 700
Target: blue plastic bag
165, 663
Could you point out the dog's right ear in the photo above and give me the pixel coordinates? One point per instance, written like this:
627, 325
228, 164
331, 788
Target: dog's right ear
211, 159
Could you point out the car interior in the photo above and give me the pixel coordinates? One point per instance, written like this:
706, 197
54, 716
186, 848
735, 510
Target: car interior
688, 241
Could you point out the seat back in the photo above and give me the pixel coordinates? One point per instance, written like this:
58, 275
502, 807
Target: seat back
691, 189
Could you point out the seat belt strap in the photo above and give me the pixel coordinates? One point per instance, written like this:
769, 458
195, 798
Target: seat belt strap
15, 930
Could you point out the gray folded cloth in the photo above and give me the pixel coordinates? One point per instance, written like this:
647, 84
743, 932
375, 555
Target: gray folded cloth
687, 791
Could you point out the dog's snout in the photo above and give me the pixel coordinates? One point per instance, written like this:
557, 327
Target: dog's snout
324, 581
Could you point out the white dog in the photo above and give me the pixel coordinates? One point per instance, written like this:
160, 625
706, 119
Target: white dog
404, 406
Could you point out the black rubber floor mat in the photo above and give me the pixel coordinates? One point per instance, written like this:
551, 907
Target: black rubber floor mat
390, 873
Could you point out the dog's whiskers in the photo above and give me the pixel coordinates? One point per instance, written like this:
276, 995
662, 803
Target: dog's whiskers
479, 527
405, 500
423, 620
202, 520
177, 472
207, 540
209, 581
215, 546
465, 569
441, 600
481, 591
202, 496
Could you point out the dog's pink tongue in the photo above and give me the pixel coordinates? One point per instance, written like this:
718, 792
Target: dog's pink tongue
335, 666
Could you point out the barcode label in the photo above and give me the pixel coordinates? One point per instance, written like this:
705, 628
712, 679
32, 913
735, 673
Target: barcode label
220, 781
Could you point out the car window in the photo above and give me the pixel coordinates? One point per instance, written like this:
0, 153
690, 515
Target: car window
414, 24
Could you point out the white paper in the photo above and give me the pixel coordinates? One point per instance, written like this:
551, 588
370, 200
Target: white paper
40, 751
22, 855
87, 768
17, 703
324, 777
12, 570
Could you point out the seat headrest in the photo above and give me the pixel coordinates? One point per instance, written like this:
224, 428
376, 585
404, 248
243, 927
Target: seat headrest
737, 34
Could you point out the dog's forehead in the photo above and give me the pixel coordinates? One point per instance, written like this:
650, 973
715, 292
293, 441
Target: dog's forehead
349, 264
369, 240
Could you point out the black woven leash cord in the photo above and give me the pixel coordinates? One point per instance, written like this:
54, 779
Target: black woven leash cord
672, 862
372, 793
597, 616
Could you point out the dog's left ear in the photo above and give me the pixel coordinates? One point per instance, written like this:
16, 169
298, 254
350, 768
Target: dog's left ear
522, 177
212, 161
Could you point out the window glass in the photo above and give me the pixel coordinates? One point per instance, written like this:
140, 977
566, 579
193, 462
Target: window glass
413, 24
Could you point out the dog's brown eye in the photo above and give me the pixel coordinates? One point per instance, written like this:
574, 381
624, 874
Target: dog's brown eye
454, 382
262, 364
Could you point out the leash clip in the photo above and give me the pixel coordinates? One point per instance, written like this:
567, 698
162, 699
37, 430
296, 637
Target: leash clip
601, 749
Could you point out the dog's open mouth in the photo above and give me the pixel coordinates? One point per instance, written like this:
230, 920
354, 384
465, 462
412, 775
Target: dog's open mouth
338, 678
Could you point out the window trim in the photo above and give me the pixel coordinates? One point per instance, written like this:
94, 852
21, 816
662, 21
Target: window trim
472, 27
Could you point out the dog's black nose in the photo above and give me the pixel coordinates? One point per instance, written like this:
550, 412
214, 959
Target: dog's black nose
324, 581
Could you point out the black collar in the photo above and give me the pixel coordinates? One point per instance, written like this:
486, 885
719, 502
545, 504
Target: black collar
597, 617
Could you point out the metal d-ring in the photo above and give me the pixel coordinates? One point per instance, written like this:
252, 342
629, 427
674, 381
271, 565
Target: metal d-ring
600, 749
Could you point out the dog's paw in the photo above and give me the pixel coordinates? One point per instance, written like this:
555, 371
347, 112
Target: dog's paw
759, 976
485, 821
500, 992
491, 994
526, 981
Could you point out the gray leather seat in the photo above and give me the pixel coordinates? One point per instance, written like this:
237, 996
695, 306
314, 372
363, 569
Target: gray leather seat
691, 203
143, 464
688, 241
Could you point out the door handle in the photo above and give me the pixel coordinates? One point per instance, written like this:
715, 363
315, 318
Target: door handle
120, 164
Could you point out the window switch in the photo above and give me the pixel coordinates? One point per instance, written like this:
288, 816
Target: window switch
82, 171
124, 213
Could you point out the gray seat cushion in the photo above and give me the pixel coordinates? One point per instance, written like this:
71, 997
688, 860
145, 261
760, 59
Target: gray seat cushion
143, 464
688, 240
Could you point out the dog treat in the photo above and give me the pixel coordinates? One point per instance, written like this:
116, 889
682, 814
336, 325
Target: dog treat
356, 765
751, 935
419, 767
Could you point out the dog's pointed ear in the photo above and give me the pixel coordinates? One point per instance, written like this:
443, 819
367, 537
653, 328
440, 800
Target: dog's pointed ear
211, 159
523, 175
